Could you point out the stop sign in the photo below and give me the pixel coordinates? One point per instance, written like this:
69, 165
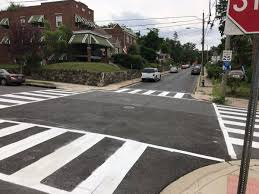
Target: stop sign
245, 14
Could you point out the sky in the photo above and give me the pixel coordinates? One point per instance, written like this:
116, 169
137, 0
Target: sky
188, 28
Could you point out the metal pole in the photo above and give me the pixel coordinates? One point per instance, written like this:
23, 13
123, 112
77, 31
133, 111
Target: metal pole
250, 122
203, 42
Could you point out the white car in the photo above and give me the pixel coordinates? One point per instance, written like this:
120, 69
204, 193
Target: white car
151, 74
174, 70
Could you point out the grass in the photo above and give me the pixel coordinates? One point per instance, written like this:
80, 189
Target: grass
242, 92
91, 67
9, 66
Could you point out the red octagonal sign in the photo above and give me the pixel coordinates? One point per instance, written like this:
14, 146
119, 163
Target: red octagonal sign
245, 14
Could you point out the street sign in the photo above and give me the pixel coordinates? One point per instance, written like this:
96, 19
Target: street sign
245, 14
227, 55
226, 65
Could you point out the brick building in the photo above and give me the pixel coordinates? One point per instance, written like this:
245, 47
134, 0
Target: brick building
75, 15
125, 36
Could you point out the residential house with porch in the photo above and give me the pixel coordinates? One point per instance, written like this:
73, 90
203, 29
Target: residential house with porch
123, 36
86, 39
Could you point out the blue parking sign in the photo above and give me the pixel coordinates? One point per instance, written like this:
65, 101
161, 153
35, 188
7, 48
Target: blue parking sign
226, 65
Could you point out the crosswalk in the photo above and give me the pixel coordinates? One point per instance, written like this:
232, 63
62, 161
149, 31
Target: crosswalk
16, 99
145, 92
61, 161
232, 121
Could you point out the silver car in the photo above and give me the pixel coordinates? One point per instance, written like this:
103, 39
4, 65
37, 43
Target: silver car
174, 70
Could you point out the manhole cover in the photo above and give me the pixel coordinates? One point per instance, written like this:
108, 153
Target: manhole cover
129, 107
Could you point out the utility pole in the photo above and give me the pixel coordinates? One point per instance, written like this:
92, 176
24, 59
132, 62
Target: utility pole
250, 121
203, 42
207, 53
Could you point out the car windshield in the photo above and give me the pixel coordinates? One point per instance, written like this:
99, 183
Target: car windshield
148, 70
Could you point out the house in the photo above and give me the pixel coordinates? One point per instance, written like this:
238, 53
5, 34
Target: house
120, 34
75, 15
162, 57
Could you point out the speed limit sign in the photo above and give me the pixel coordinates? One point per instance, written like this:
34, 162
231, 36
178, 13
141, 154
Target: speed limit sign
227, 55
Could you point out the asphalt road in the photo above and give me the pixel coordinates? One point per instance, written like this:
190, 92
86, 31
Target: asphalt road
176, 82
179, 136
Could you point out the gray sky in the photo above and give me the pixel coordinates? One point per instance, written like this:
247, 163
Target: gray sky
128, 9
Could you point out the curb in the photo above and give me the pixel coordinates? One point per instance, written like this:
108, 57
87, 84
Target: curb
51, 86
204, 177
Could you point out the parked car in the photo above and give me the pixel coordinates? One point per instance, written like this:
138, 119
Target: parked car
151, 74
196, 70
174, 70
7, 78
185, 66
239, 74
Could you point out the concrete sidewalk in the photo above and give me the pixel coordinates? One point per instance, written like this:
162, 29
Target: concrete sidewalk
219, 178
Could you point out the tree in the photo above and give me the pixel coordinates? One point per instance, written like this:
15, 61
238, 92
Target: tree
134, 49
175, 36
152, 40
221, 14
25, 46
56, 42
148, 53
13, 6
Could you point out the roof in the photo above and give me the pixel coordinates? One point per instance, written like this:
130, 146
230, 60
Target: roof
125, 29
89, 37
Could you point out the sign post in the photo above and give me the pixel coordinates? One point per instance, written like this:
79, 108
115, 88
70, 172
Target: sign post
244, 15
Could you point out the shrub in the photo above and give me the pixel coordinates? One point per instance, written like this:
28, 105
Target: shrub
214, 71
218, 96
233, 84
136, 61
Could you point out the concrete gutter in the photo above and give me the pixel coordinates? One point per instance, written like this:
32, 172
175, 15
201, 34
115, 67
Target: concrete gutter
41, 84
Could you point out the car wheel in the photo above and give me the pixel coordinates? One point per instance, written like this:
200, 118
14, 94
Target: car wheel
143, 80
160, 77
3, 82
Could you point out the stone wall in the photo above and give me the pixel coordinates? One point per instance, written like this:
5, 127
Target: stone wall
85, 77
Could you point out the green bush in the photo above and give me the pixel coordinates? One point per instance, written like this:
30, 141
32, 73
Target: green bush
129, 61
214, 71
218, 96
233, 84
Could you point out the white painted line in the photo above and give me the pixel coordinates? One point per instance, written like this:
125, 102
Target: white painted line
3, 106
149, 92
50, 93
237, 118
61, 91
179, 95
29, 142
135, 91
224, 106
39, 95
54, 161
232, 109
230, 148
14, 129
233, 113
109, 175
122, 90
240, 142
23, 97
12, 101
163, 94
240, 131
237, 123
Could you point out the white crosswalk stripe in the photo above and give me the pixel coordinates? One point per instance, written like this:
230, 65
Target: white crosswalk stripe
145, 92
105, 178
233, 121
16, 99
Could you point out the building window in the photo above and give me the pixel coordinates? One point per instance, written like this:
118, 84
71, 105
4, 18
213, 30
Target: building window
83, 10
22, 21
76, 6
127, 39
89, 12
59, 20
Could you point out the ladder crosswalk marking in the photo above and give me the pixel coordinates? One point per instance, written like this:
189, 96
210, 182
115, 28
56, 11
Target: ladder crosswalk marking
135, 91
20, 160
29, 142
107, 177
22, 97
3, 106
13, 101
38, 95
163, 94
14, 129
122, 90
69, 177
52, 162
232, 122
61, 91
149, 92
179, 95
